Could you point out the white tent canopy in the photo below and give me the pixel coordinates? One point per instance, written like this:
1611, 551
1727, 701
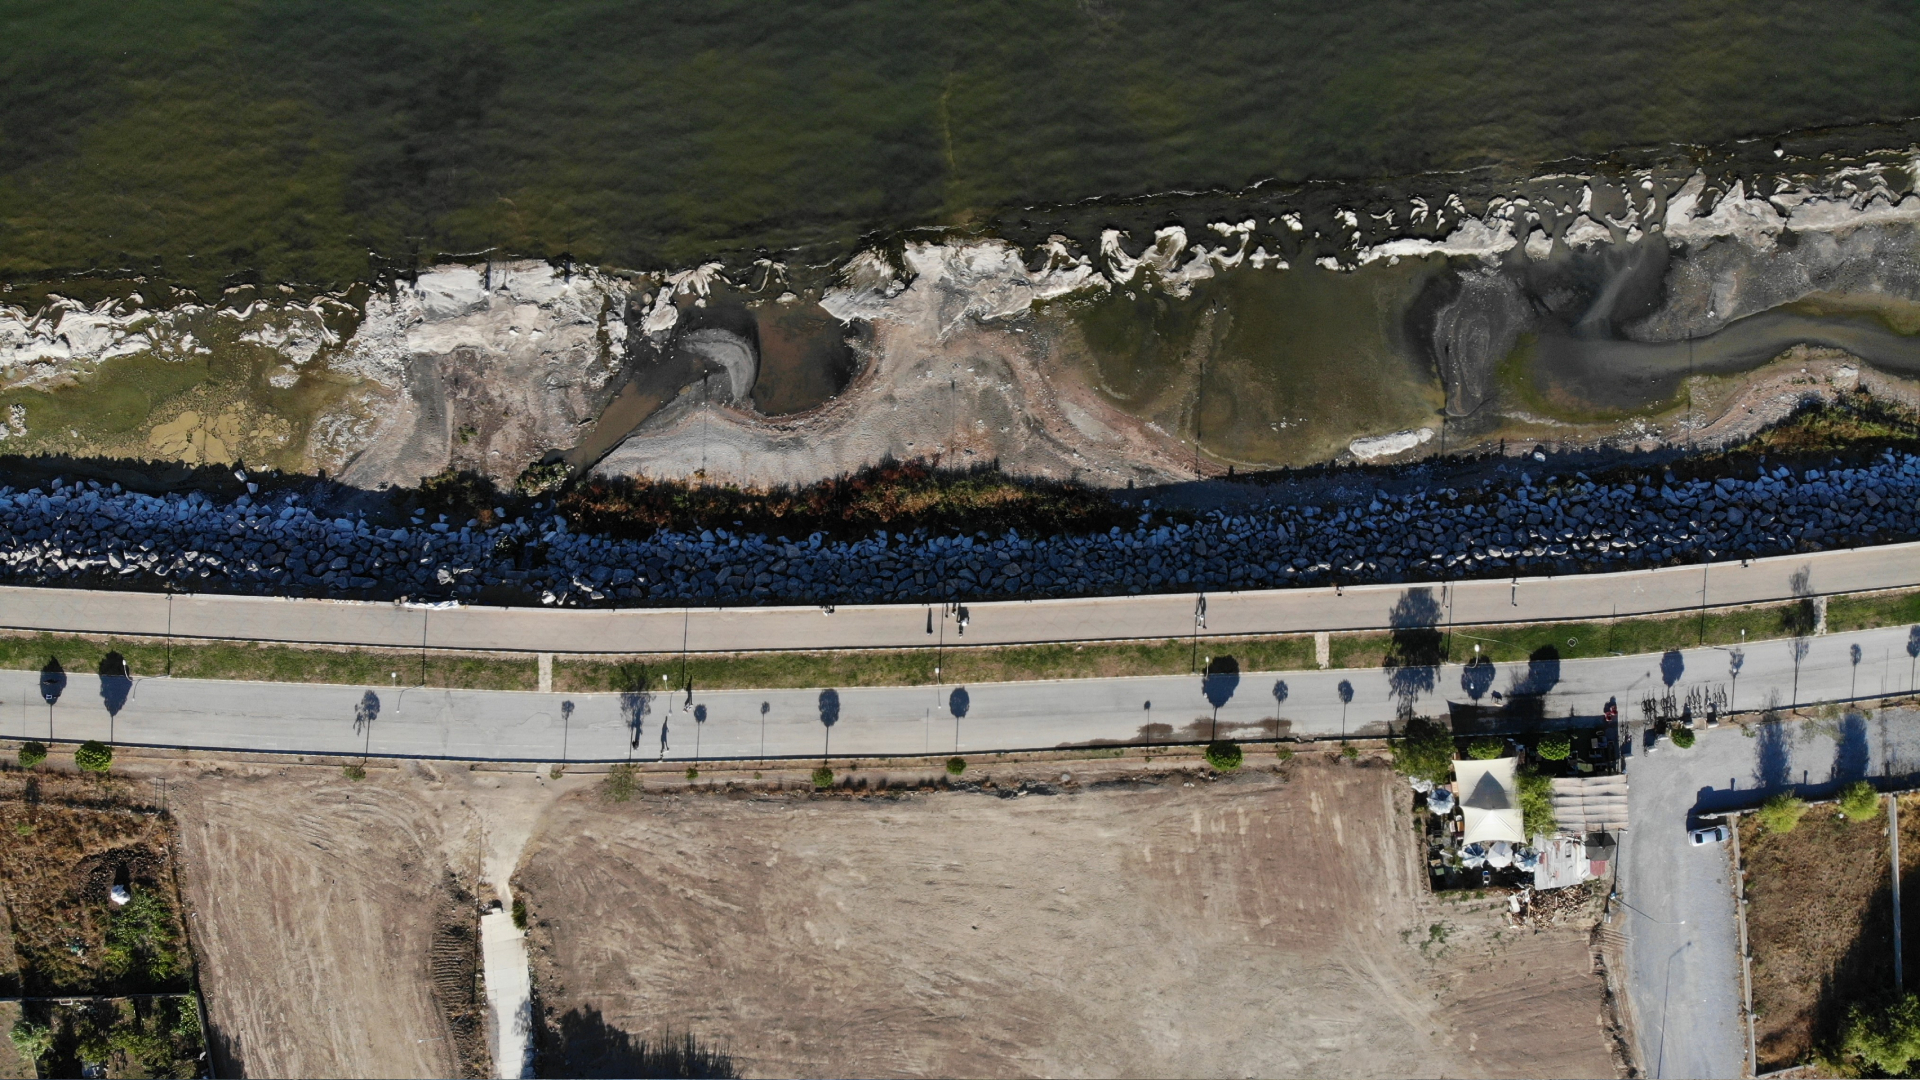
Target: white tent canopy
1489, 800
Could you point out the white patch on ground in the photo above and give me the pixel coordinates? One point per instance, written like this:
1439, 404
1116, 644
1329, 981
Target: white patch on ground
538, 346
67, 338
297, 332
1488, 238
1379, 446
953, 283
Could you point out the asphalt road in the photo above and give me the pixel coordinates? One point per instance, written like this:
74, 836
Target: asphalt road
1683, 957
659, 724
896, 626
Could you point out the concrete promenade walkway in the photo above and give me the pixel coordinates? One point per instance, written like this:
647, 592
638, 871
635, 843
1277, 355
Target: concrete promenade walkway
632, 630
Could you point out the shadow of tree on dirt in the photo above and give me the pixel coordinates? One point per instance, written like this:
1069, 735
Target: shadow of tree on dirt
582, 1044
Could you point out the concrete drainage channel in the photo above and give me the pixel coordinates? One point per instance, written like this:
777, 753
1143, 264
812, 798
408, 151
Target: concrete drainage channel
503, 955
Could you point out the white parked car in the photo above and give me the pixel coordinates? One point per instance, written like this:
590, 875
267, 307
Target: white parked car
1716, 835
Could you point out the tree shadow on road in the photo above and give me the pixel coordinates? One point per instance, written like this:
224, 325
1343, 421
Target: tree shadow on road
115, 683
1417, 648
53, 680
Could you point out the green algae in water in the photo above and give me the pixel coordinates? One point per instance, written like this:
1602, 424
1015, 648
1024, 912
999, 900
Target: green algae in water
200, 140
1283, 367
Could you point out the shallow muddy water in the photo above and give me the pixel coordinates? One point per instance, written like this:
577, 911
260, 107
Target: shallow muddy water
1270, 367
1629, 375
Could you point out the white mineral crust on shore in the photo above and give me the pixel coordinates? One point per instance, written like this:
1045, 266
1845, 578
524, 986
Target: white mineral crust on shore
1378, 446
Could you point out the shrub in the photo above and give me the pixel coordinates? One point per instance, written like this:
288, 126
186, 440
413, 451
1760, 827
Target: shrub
1555, 746
1780, 813
520, 913
822, 778
94, 756
1223, 755
32, 754
956, 766
1536, 804
1487, 749
1887, 1037
1284, 753
142, 940
1424, 751
1859, 801
30, 1039
1349, 751
1681, 737
693, 773
618, 784
354, 772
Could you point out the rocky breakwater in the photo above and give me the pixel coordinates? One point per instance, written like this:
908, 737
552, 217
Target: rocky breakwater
89, 535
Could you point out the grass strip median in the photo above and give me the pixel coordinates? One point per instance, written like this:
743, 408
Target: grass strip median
256, 662
1583, 640
251, 661
910, 667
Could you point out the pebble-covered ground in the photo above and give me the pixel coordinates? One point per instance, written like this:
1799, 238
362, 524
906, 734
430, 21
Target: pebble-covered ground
87, 534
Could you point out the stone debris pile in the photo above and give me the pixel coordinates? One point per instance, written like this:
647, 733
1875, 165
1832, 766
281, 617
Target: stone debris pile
86, 534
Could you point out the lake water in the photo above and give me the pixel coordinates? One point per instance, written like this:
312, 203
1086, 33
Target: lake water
204, 141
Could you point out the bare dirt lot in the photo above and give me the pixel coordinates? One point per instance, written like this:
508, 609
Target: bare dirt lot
1820, 918
1269, 924
335, 918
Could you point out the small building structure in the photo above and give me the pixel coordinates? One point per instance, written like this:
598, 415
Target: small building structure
1489, 793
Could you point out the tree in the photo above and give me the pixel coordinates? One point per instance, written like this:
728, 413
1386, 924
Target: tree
94, 756
1224, 756
822, 778
956, 766
1424, 751
1859, 801
1887, 1038
1536, 804
1555, 746
32, 754
1682, 737
1780, 813
1487, 749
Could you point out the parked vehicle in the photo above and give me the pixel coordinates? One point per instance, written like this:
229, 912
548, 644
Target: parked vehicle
1718, 834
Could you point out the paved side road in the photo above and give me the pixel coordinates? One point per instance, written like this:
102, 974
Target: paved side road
656, 723
906, 625
1683, 956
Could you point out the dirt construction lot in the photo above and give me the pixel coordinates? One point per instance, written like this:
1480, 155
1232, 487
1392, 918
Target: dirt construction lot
1272, 924
1126, 923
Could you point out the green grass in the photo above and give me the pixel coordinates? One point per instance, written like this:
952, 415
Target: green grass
914, 667
249, 661
1862, 611
1577, 640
